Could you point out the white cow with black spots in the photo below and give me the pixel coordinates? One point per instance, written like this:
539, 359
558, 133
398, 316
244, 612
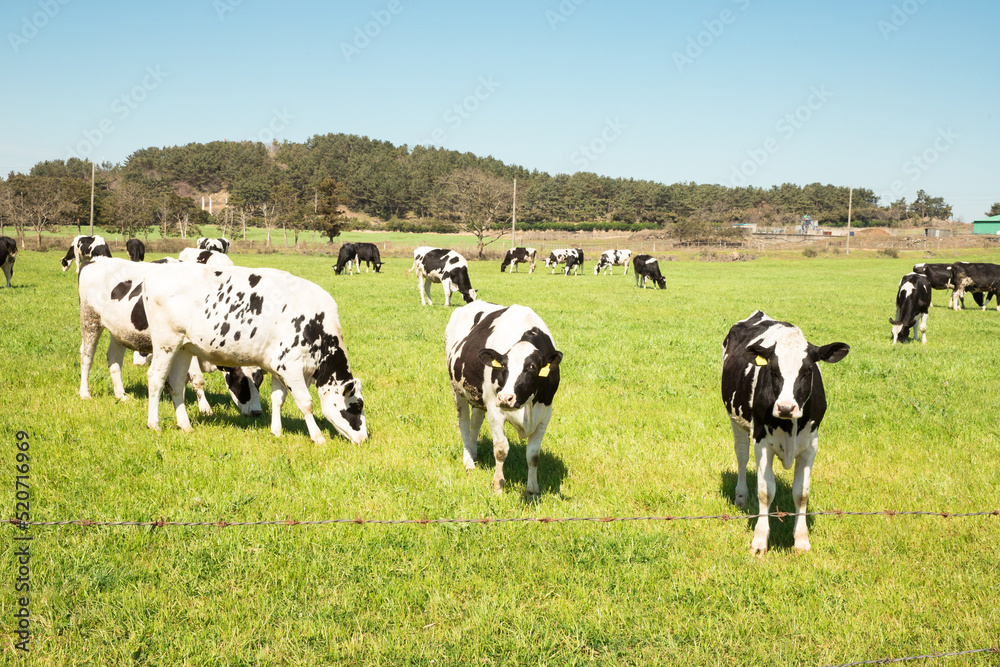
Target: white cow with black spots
438, 265
612, 258
83, 249
217, 244
208, 257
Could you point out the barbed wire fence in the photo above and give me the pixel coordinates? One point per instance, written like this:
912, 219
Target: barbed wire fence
358, 521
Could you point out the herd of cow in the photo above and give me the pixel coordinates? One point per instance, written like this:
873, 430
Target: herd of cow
200, 313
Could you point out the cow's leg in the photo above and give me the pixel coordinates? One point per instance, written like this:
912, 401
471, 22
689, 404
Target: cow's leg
116, 357
278, 393
741, 445
533, 452
197, 380
303, 399
447, 284
500, 446
159, 368
470, 420
626, 269
765, 495
923, 328
177, 377
91, 335
357, 264
800, 491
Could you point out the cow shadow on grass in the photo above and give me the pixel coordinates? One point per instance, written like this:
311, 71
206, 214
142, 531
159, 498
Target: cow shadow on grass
224, 411
782, 531
551, 469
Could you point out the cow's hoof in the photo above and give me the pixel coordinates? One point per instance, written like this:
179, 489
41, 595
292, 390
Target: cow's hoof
803, 545
758, 547
122, 398
498, 487
470, 466
740, 500
85, 396
186, 429
205, 412
319, 440
153, 426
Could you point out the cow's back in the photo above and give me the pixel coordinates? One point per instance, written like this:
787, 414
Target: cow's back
111, 291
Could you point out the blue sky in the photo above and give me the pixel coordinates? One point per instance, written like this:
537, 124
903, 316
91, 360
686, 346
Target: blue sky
894, 95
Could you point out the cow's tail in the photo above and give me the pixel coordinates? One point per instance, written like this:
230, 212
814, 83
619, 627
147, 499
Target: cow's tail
412, 267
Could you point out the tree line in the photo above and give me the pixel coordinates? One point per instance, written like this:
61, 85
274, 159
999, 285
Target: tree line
333, 181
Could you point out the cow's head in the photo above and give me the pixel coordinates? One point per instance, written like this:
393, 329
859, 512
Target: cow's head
469, 295
338, 269
786, 364
343, 407
506, 262
244, 388
522, 372
661, 282
900, 330
378, 266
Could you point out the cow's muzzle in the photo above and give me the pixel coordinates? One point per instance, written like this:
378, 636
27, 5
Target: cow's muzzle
787, 410
507, 401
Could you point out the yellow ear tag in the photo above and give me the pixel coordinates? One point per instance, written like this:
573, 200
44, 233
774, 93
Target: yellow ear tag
496, 364
760, 361
544, 371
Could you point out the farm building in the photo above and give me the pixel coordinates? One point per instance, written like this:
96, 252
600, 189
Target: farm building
989, 225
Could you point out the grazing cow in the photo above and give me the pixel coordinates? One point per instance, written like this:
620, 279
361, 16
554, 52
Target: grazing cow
348, 256
208, 257
645, 267
236, 316
773, 391
367, 253
111, 298
218, 245
513, 257
136, 250
8, 254
83, 249
913, 299
612, 258
503, 365
975, 277
437, 265
573, 257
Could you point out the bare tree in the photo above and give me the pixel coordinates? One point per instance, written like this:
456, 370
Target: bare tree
481, 203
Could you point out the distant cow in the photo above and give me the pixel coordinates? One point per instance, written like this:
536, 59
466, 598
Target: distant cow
83, 249
573, 257
208, 257
612, 258
8, 254
136, 250
503, 364
939, 276
347, 256
217, 244
437, 265
517, 255
913, 299
773, 391
367, 253
235, 316
111, 298
646, 266
975, 277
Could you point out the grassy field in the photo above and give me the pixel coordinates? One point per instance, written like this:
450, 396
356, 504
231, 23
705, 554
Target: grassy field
638, 430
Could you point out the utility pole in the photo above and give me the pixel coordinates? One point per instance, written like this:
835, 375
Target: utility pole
513, 217
850, 202
91, 197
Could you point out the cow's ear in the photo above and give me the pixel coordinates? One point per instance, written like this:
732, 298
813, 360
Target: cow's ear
833, 352
759, 355
492, 358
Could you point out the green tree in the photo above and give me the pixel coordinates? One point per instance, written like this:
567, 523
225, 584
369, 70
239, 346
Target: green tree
930, 207
994, 210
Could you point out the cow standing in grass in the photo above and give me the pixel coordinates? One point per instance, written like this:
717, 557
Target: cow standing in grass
369, 254
8, 254
979, 278
515, 256
437, 265
612, 258
237, 316
646, 267
503, 366
573, 257
773, 391
347, 257
83, 249
913, 299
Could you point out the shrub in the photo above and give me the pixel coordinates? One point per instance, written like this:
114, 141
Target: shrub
889, 252
810, 252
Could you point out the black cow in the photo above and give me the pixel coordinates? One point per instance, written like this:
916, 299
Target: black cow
975, 278
8, 253
83, 249
513, 257
913, 299
218, 245
502, 362
646, 266
437, 265
348, 256
773, 391
939, 276
367, 253
136, 250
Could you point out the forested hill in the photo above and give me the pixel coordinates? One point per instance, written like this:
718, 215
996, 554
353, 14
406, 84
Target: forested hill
434, 185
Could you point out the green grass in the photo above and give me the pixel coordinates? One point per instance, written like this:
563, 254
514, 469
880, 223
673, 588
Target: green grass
638, 430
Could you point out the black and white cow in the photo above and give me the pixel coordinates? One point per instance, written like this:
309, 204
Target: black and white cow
913, 299
977, 278
367, 253
208, 257
612, 258
83, 249
136, 250
646, 266
8, 254
111, 298
237, 316
503, 365
348, 256
437, 265
218, 245
573, 257
773, 391
517, 255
